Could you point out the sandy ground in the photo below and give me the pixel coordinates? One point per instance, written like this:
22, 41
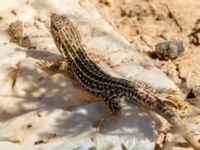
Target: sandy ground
146, 23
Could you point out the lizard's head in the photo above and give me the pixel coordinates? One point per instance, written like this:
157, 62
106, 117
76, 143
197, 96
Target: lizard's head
57, 25
58, 21
57, 29
65, 34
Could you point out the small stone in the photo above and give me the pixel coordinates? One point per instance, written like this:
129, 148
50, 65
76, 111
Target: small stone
169, 50
140, 11
39, 142
29, 126
105, 2
161, 17
15, 31
165, 36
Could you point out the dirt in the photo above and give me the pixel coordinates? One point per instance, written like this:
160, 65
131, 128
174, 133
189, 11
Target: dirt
147, 23
15, 31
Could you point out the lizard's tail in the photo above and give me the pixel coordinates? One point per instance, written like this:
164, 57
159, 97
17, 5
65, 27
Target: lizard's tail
189, 136
173, 115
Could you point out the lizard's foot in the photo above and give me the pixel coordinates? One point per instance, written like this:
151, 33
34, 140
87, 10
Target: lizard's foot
55, 66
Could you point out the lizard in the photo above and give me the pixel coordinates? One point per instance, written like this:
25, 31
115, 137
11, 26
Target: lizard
94, 80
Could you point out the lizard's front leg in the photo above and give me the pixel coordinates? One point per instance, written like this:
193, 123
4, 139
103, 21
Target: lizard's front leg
54, 65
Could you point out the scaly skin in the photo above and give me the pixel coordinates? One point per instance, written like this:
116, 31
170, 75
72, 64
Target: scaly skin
91, 77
